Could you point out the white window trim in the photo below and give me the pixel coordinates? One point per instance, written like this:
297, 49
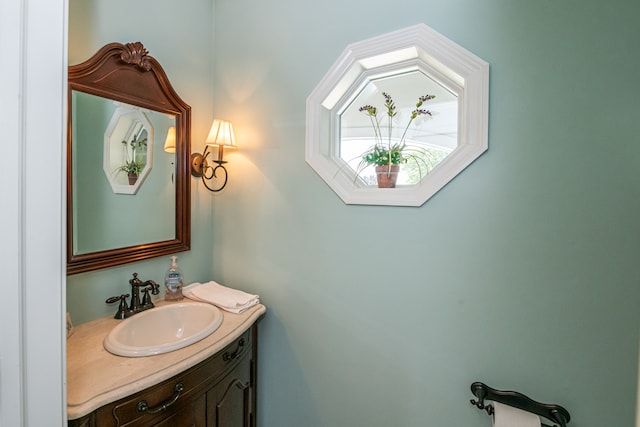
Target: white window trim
428, 49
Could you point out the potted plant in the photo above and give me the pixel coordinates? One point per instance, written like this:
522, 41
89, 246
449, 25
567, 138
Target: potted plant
132, 169
134, 166
388, 154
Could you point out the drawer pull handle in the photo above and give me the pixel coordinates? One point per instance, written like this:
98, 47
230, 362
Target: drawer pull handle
227, 357
143, 406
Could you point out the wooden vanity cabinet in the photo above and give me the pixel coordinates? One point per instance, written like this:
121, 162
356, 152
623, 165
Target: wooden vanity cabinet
218, 392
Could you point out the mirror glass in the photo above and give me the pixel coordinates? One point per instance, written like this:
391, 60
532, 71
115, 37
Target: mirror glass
127, 198
128, 147
109, 212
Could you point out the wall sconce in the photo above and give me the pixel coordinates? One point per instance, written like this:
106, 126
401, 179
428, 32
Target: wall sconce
220, 135
170, 142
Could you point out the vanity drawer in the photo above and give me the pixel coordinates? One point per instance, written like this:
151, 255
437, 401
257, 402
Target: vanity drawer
145, 408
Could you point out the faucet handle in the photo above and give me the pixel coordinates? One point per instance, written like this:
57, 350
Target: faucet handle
123, 311
152, 286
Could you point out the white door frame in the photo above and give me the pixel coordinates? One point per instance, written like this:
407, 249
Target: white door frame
33, 47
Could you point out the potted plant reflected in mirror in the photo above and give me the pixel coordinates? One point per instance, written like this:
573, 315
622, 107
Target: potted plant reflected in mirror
137, 163
389, 151
132, 169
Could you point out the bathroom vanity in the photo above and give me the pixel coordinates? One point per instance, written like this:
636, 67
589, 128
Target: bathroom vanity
210, 383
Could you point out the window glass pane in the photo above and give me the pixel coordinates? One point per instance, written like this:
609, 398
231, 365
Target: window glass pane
430, 138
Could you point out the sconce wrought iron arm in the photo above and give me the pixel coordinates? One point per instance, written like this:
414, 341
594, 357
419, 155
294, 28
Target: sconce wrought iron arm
201, 168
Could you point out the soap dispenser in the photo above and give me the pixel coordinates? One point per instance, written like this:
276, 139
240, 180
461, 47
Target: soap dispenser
173, 282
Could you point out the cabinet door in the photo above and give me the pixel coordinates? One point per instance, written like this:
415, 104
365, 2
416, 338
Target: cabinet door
193, 415
86, 421
229, 403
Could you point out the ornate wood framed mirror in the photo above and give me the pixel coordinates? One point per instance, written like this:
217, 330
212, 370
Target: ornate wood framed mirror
122, 114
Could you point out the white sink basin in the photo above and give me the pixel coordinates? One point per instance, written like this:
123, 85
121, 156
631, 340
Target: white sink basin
163, 329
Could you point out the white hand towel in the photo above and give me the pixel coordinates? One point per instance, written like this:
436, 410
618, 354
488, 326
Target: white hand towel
232, 300
508, 416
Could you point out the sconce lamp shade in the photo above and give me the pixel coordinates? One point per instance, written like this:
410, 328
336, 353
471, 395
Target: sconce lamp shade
170, 143
221, 134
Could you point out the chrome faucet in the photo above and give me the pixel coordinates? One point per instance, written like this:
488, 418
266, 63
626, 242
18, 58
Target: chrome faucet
135, 306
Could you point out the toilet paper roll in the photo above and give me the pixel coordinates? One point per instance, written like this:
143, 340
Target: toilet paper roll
508, 416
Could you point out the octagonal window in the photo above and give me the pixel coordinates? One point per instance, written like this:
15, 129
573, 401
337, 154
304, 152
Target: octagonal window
128, 149
412, 89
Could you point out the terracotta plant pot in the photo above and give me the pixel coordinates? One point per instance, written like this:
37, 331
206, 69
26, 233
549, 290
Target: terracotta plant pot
387, 175
132, 178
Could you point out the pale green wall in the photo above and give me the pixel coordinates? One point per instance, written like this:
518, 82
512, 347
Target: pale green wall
520, 273
181, 40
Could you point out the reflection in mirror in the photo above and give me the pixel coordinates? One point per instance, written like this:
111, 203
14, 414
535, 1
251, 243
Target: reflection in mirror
434, 137
128, 148
122, 110
101, 195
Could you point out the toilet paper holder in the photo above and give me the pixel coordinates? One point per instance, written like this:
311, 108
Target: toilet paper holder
549, 411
